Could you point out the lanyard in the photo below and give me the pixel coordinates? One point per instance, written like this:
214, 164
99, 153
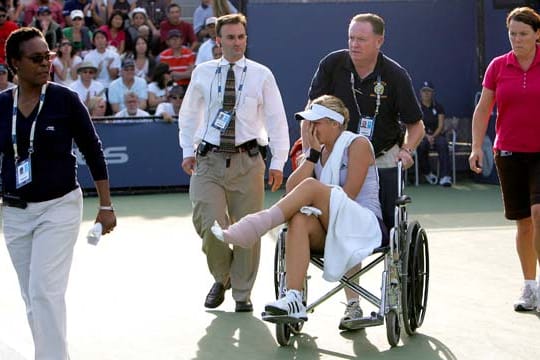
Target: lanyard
14, 121
240, 87
378, 89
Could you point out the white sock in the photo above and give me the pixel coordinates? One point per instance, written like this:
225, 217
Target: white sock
531, 283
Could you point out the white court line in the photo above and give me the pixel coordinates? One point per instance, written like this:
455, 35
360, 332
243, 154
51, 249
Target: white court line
472, 228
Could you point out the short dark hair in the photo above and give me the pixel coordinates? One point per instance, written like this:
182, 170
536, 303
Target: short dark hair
3, 8
230, 19
14, 41
171, 5
102, 32
377, 22
525, 15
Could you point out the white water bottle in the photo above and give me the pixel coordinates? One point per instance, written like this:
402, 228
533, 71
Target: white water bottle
94, 234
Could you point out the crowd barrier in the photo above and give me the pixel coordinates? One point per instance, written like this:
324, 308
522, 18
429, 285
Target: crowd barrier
140, 153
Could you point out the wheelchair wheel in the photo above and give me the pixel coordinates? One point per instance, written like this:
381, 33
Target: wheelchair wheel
279, 265
420, 276
415, 278
393, 329
283, 334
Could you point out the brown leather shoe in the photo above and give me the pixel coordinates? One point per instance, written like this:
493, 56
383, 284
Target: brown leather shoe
244, 306
216, 295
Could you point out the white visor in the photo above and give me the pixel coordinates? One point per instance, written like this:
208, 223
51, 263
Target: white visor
318, 112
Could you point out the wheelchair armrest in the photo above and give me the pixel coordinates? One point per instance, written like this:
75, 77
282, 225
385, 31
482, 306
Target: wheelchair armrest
403, 200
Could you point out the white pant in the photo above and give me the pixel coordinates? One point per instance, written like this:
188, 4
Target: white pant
40, 241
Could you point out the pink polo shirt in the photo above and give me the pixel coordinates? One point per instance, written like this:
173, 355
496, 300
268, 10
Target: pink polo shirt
517, 95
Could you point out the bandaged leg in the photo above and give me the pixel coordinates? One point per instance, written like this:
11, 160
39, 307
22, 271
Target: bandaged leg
250, 228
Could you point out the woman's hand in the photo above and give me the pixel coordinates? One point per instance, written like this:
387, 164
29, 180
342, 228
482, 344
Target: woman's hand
314, 142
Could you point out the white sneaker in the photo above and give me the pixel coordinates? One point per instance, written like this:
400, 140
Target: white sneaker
446, 181
528, 299
288, 307
353, 313
431, 178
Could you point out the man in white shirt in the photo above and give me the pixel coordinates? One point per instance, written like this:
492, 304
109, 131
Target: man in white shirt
205, 51
132, 107
106, 61
85, 85
225, 161
128, 82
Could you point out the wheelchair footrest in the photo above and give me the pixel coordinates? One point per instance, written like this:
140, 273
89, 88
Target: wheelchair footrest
363, 322
282, 319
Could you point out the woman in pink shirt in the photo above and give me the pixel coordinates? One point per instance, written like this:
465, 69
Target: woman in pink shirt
115, 31
512, 81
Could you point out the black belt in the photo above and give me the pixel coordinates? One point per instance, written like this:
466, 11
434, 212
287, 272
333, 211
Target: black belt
13, 201
252, 147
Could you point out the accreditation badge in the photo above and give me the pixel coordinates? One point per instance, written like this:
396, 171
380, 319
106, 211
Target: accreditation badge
23, 173
366, 126
222, 120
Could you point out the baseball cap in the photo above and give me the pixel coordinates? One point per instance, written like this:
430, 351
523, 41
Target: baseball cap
76, 14
173, 33
128, 63
210, 20
318, 112
427, 85
138, 10
3, 68
43, 10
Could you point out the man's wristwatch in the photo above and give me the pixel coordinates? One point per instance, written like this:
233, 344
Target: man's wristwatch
108, 208
410, 151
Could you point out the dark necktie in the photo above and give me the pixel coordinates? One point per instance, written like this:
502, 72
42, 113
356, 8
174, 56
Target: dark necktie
229, 99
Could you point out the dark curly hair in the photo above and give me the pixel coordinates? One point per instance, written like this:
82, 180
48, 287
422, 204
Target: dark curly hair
14, 41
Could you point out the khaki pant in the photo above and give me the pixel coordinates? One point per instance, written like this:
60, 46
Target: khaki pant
40, 241
226, 187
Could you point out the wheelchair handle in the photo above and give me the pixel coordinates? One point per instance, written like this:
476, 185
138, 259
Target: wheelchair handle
399, 176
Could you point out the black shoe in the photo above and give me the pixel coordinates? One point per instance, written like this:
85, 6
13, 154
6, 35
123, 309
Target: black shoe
216, 295
244, 306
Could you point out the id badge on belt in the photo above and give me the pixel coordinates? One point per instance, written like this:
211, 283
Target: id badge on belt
366, 126
222, 120
23, 173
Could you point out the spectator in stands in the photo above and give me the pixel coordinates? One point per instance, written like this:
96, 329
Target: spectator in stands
174, 21
94, 12
435, 138
6, 28
4, 83
155, 9
127, 82
30, 11
78, 35
132, 106
144, 61
217, 52
97, 106
13, 9
85, 85
203, 12
138, 18
115, 31
181, 59
512, 82
169, 110
124, 6
205, 50
50, 28
223, 7
106, 61
65, 64
157, 89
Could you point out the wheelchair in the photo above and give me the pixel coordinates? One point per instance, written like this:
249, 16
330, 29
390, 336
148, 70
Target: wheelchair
404, 282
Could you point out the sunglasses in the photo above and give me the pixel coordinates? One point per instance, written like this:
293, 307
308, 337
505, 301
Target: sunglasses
3, 15
76, 19
38, 59
174, 97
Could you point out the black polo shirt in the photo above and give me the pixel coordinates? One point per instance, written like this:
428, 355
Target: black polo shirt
431, 116
398, 100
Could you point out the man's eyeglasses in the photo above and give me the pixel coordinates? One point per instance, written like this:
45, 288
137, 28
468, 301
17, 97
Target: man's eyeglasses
174, 97
38, 59
64, 44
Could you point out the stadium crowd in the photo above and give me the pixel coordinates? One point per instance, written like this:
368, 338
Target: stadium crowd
118, 52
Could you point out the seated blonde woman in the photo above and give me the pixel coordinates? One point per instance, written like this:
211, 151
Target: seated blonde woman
331, 207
